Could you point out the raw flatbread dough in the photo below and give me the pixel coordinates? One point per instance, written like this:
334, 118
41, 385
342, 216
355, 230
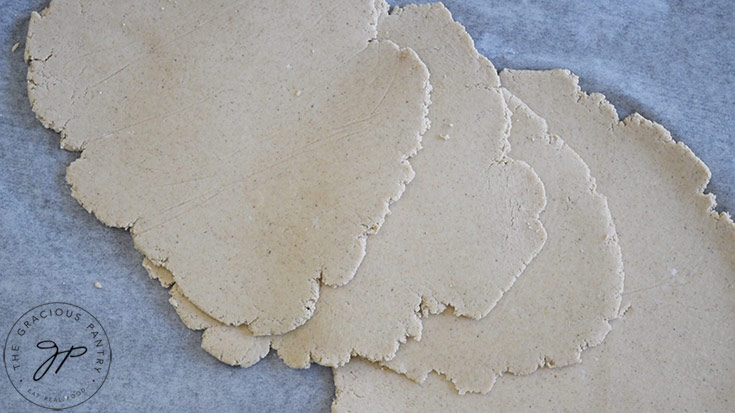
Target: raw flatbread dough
463, 231
161, 274
564, 299
361, 386
673, 347
192, 317
235, 346
248, 157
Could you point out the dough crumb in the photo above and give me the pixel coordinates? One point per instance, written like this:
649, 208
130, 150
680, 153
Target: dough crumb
97, 284
15, 47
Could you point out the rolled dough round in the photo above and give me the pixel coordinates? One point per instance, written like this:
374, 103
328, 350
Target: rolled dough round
250, 158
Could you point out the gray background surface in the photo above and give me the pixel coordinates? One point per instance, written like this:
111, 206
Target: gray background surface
671, 61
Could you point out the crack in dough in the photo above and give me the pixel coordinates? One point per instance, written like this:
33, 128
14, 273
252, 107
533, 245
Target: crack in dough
193, 137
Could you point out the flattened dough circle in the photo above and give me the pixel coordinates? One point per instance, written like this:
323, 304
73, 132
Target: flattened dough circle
251, 159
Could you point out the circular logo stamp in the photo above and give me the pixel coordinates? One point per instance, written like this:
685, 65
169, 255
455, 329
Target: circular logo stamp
57, 355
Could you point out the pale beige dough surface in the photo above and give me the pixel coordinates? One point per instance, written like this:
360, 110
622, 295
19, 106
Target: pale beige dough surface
161, 274
562, 302
466, 227
192, 317
235, 346
463, 231
673, 349
362, 386
249, 158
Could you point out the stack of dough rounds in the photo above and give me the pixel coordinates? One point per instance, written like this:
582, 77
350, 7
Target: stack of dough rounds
672, 345
257, 152
461, 234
